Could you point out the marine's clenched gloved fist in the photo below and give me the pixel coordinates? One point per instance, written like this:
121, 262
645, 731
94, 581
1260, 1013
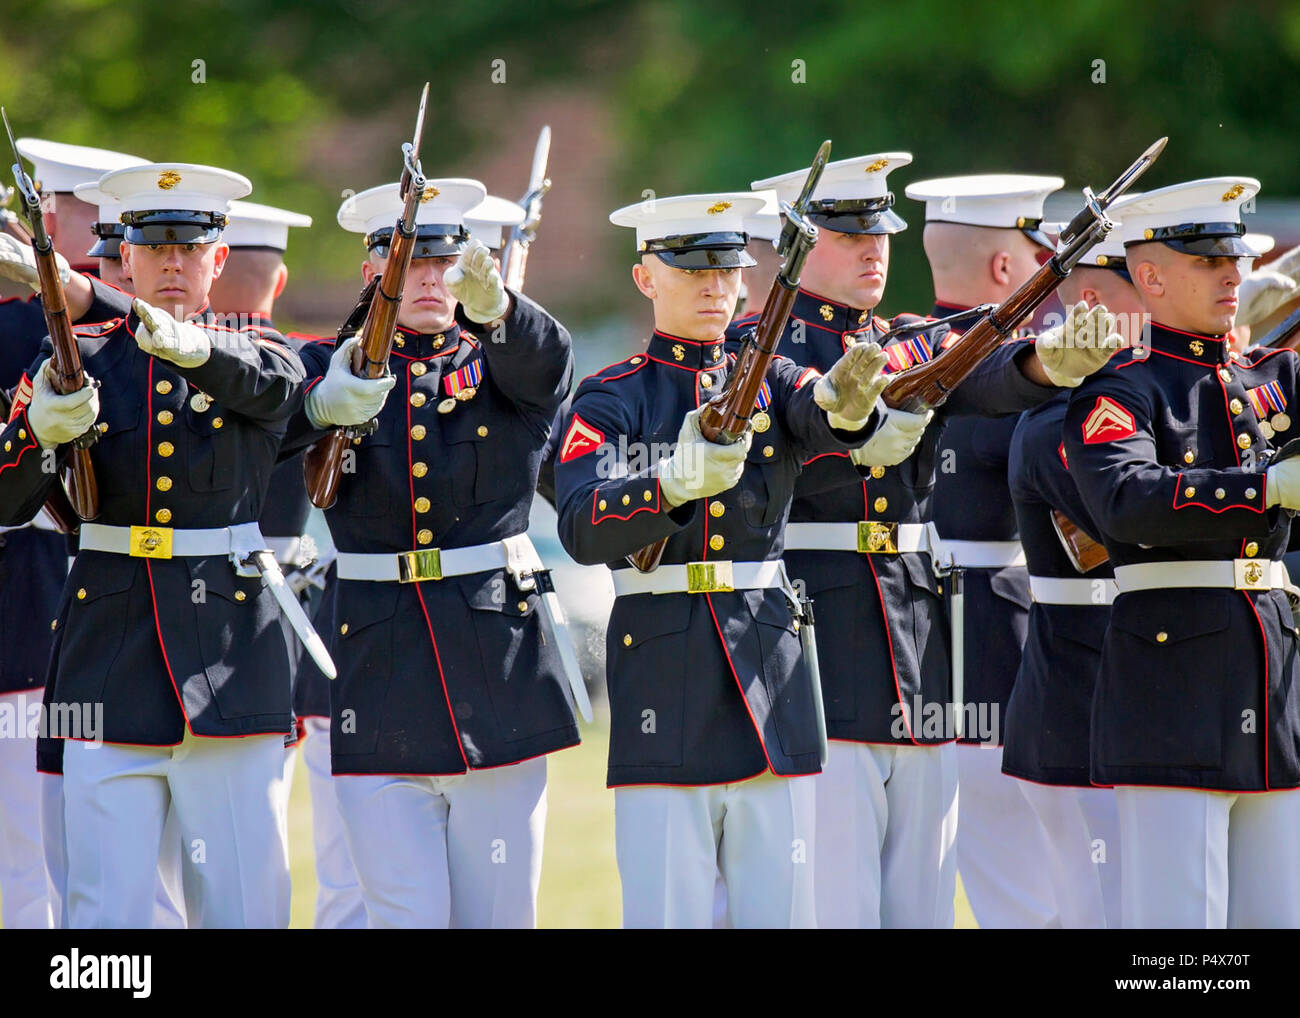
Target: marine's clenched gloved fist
1267, 289
342, 399
476, 283
1073, 351
849, 390
18, 263
56, 420
159, 334
699, 468
895, 439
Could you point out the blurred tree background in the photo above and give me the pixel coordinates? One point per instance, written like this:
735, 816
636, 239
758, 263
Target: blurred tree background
669, 95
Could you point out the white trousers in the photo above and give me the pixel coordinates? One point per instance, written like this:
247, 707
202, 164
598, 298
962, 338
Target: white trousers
231, 830
1209, 860
168, 894
1001, 847
338, 896
886, 817
463, 851
672, 842
26, 903
1081, 826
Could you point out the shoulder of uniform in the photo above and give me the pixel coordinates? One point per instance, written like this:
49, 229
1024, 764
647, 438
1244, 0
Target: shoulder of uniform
308, 337
1258, 354
92, 329
737, 327
615, 372
905, 318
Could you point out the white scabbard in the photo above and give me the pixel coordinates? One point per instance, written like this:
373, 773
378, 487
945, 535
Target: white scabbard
957, 619
292, 608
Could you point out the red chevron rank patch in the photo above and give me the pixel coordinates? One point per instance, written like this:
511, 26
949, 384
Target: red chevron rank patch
22, 396
1108, 422
581, 439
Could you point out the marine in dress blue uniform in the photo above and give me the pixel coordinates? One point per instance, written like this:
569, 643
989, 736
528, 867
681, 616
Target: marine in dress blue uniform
252, 280
175, 663
713, 725
983, 239
1046, 732
451, 688
883, 636
1195, 716
34, 558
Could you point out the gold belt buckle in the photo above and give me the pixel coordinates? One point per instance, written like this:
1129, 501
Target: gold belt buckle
414, 566
875, 537
709, 577
1250, 574
151, 542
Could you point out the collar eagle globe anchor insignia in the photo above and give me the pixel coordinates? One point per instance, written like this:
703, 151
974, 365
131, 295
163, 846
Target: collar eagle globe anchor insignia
1197, 347
168, 179
826, 311
679, 352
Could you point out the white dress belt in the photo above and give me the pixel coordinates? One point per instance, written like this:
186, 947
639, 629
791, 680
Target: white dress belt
701, 578
1073, 590
515, 554
985, 554
891, 537
1232, 574
425, 564
148, 542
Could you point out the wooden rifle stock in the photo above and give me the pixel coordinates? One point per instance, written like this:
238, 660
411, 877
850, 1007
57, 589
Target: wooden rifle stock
925, 386
323, 462
1085, 553
82, 489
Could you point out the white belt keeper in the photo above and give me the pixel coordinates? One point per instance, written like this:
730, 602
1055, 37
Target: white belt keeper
1073, 590
701, 578
985, 554
1230, 574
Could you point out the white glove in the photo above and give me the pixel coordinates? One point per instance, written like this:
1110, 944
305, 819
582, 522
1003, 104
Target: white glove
1073, 351
182, 343
18, 263
476, 283
56, 420
849, 390
341, 399
1264, 291
1281, 484
898, 435
699, 468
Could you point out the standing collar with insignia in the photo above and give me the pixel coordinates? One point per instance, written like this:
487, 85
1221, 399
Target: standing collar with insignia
418, 345
829, 314
1189, 346
685, 353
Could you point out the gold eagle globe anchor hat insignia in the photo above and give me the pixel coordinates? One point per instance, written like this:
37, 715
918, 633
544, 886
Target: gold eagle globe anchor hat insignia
440, 219
694, 231
1004, 201
173, 203
852, 196
1197, 217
